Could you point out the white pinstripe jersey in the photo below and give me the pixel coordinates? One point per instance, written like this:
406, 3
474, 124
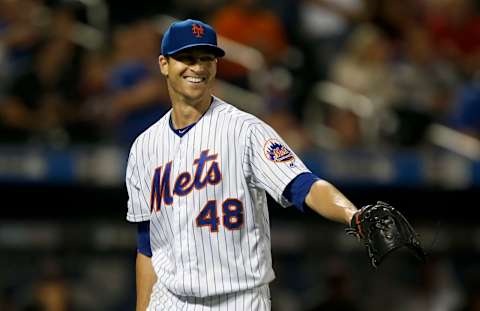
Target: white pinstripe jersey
204, 195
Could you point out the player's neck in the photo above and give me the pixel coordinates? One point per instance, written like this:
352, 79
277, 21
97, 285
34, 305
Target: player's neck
184, 114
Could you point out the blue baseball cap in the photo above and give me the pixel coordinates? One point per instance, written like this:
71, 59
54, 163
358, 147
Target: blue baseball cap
188, 34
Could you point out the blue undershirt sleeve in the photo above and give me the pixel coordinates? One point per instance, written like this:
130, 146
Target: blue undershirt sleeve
296, 191
143, 238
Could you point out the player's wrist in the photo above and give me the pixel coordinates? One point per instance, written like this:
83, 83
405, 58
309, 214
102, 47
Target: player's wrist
350, 216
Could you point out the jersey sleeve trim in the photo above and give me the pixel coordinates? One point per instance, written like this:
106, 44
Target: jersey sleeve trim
297, 190
143, 238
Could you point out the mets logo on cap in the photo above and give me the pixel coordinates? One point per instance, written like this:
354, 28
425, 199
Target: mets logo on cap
197, 30
276, 151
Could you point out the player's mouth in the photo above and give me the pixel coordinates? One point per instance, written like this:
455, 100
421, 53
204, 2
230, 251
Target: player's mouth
195, 80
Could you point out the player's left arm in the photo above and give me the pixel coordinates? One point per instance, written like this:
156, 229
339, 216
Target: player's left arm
325, 199
145, 274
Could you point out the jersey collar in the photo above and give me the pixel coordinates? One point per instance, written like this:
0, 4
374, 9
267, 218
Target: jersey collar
181, 132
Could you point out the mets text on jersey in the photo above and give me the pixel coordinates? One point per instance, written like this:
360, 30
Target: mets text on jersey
184, 184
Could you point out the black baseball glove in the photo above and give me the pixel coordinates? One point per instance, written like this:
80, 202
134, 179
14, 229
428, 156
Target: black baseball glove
384, 229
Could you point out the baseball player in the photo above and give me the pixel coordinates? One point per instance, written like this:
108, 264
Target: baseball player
197, 181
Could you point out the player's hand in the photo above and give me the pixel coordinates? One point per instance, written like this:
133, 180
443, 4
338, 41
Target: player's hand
384, 229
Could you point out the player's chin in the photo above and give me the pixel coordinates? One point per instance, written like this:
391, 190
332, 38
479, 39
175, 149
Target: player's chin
197, 90
195, 93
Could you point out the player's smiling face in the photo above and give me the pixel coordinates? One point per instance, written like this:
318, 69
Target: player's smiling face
190, 73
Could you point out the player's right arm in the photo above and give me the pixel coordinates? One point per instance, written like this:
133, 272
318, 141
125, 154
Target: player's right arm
145, 273
145, 279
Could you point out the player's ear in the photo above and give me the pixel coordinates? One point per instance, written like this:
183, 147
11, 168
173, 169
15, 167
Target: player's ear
163, 64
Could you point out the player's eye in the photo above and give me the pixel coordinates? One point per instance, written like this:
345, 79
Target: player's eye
187, 59
207, 58
190, 59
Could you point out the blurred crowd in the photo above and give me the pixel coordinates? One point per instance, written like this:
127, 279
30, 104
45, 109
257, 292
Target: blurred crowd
354, 72
57, 88
339, 74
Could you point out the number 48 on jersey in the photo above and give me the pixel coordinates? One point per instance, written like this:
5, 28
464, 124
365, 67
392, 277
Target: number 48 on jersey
232, 215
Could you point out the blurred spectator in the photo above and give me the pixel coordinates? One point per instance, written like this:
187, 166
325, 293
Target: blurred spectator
288, 11
249, 23
454, 26
466, 108
422, 79
347, 127
363, 68
324, 25
137, 95
424, 85
86, 124
21, 29
39, 99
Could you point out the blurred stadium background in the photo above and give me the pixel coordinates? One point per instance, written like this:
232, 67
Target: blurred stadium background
380, 97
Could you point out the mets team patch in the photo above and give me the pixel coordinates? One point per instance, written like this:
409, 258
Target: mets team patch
276, 151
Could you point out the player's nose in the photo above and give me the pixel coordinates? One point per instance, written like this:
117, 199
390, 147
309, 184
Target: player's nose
198, 67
